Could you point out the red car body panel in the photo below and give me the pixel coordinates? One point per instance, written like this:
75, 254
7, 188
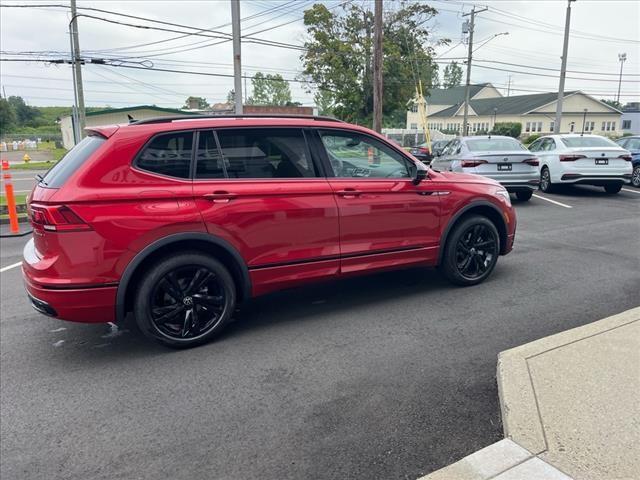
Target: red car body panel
286, 231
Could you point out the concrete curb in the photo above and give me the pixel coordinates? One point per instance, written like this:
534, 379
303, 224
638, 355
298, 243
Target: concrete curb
520, 413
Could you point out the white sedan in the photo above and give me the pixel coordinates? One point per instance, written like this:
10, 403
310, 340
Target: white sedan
582, 159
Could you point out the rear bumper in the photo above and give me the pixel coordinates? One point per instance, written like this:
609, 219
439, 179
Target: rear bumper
595, 179
521, 186
86, 305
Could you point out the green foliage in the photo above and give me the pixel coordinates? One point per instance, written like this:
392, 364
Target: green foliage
199, 102
269, 90
25, 115
452, 76
339, 59
231, 97
612, 103
7, 117
510, 129
531, 138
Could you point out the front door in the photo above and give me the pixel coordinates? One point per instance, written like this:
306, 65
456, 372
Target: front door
259, 189
385, 219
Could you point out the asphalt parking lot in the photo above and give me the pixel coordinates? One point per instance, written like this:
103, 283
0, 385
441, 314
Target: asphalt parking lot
381, 377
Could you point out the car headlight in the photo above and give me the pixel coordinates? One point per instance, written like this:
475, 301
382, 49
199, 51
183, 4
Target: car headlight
501, 192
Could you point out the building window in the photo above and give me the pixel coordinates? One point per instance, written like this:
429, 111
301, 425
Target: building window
626, 124
527, 127
552, 126
604, 124
414, 108
539, 126
613, 126
414, 126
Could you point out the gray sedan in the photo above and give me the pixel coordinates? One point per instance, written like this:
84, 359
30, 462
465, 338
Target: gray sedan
503, 159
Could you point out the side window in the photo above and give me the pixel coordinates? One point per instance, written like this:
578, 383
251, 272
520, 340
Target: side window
168, 154
265, 153
535, 146
209, 162
550, 145
355, 155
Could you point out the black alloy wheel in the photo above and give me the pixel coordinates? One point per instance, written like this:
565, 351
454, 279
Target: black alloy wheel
545, 180
471, 251
185, 300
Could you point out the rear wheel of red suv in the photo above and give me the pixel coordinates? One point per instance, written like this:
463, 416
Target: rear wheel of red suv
471, 251
185, 300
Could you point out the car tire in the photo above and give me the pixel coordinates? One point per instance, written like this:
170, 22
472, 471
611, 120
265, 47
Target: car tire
635, 177
613, 188
472, 237
185, 300
545, 180
524, 196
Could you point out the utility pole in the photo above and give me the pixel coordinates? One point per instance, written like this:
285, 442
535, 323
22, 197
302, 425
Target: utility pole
622, 57
467, 90
237, 64
563, 69
77, 72
509, 86
377, 66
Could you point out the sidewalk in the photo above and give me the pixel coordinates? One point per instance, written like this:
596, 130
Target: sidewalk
570, 408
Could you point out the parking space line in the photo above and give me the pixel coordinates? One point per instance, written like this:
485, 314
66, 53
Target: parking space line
552, 201
9, 267
632, 191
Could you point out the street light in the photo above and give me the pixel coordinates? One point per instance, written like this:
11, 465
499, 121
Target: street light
489, 39
622, 57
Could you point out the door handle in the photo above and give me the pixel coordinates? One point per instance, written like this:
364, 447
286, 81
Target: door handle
349, 193
220, 196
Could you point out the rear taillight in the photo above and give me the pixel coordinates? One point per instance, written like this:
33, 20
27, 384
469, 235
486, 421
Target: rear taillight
571, 158
626, 157
424, 150
534, 162
57, 219
472, 163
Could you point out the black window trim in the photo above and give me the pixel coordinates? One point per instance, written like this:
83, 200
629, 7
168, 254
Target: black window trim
327, 164
320, 174
135, 166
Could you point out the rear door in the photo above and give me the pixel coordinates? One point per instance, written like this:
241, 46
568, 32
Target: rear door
385, 220
260, 189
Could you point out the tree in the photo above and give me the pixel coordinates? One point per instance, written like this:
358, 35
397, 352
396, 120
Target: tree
612, 103
7, 117
510, 129
338, 59
231, 97
270, 90
196, 102
452, 75
26, 116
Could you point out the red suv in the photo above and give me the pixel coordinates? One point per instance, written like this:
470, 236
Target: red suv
177, 220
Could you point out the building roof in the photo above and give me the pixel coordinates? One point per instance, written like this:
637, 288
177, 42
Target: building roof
139, 107
454, 95
516, 105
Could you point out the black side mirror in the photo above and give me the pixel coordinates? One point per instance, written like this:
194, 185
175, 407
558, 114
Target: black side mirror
420, 175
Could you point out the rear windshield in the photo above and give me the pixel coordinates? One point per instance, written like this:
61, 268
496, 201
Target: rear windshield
493, 144
61, 171
578, 142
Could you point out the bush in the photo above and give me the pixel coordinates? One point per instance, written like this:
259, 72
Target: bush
510, 129
531, 138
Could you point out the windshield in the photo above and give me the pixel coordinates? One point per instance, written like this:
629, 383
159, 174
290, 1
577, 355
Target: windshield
493, 144
578, 142
61, 171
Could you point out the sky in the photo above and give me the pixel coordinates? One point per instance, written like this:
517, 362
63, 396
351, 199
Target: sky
530, 53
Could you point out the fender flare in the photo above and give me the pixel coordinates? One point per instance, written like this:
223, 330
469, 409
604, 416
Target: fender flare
456, 216
163, 242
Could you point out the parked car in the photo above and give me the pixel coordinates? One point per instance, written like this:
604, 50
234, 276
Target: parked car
422, 152
503, 159
178, 220
632, 145
581, 159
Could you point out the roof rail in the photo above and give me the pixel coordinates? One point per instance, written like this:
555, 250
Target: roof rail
172, 118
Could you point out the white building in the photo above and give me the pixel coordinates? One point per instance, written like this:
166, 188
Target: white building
631, 118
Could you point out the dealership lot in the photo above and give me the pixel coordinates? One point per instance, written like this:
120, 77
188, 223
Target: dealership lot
388, 376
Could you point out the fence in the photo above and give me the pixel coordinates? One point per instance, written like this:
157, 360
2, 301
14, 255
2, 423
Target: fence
408, 137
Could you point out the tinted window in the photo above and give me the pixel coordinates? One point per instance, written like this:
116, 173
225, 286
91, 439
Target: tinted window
633, 144
493, 144
355, 155
578, 142
265, 153
535, 146
209, 162
168, 154
61, 171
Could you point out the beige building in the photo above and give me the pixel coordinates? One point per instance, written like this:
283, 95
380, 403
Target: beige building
114, 116
536, 112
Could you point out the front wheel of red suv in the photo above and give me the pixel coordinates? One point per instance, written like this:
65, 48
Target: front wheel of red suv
185, 300
471, 251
